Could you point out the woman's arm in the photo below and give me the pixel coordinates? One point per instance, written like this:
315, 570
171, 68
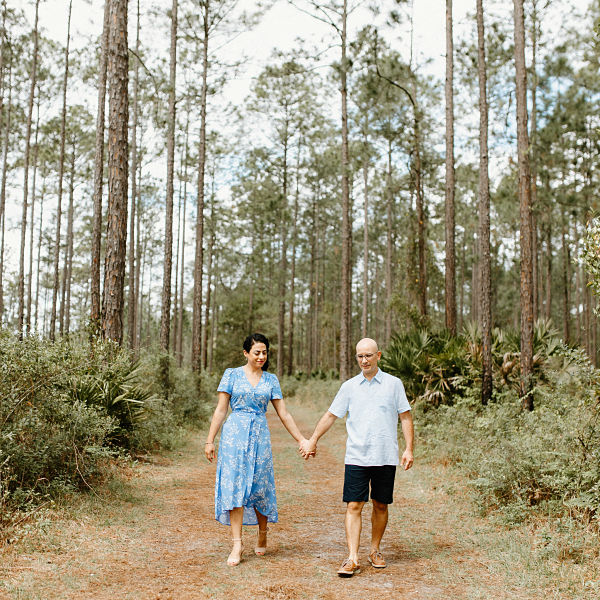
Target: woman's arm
217, 420
287, 419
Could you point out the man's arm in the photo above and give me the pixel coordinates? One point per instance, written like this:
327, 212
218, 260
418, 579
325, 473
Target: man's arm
309, 446
408, 430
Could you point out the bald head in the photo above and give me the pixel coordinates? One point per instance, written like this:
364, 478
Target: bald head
366, 345
368, 355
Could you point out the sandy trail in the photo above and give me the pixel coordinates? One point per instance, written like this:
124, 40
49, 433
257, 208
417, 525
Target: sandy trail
163, 542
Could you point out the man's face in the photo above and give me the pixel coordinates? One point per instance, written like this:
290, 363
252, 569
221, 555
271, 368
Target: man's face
367, 356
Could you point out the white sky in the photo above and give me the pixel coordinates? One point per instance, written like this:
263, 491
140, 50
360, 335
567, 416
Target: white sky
278, 29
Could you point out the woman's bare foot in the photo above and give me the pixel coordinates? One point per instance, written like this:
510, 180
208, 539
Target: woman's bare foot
261, 543
236, 553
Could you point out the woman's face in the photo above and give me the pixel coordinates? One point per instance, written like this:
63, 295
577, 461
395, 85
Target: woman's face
257, 356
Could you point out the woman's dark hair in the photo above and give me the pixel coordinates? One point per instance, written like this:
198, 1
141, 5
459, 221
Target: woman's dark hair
252, 339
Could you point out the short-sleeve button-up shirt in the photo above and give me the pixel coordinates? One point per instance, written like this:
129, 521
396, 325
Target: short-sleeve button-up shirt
372, 409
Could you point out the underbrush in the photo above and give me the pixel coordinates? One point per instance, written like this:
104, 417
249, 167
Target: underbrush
69, 409
544, 463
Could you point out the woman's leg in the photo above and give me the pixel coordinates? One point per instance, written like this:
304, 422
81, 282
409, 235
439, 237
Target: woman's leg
261, 543
236, 517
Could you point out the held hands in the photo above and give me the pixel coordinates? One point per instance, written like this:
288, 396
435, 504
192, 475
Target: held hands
307, 448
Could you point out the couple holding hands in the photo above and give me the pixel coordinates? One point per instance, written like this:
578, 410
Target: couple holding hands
245, 484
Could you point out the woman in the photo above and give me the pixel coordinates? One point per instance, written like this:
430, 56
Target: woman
245, 485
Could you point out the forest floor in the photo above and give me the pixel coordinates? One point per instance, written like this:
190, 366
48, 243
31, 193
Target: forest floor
153, 536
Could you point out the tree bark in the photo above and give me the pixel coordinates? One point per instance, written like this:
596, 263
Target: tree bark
283, 263
365, 169
98, 175
450, 262
389, 248
533, 142
199, 253
132, 296
181, 284
485, 283
61, 168
346, 258
39, 253
524, 209
21, 280
209, 277
116, 238
32, 219
6, 144
165, 319
68, 271
290, 353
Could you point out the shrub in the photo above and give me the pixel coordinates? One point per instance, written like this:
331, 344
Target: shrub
522, 462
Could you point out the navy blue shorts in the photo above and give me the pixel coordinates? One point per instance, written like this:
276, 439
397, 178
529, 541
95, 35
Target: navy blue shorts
357, 480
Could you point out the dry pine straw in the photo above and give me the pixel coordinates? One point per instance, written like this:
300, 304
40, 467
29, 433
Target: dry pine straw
159, 540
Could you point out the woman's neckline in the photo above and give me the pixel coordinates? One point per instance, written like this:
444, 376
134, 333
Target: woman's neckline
248, 378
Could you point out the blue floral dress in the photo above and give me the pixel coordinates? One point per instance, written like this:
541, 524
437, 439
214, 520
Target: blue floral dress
245, 461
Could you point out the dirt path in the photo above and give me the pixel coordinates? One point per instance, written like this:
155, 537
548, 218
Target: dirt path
162, 542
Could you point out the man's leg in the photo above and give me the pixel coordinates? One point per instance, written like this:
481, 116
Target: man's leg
379, 519
353, 524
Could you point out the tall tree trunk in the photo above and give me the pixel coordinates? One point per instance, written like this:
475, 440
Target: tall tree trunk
6, 145
548, 277
176, 323
346, 258
61, 168
389, 248
116, 237
283, 264
485, 281
214, 322
209, 277
132, 297
199, 253
313, 290
138, 259
181, 284
475, 280
420, 205
450, 263
365, 169
98, 174
290, 353
32, 219
39, 253
463, 266
525, 210
533, 142
21, 281
69, 250
165, 319
566, 259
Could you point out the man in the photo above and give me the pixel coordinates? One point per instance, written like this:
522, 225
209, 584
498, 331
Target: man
372, 400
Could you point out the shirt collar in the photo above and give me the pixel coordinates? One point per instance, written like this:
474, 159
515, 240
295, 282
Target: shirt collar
377, 377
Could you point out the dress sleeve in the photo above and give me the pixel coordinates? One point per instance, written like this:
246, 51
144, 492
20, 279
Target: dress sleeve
226, 384
276, 393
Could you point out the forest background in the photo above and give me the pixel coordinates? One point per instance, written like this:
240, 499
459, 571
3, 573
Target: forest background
162, 196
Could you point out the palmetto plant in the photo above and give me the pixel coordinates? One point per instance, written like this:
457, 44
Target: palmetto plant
432, 366
117, 391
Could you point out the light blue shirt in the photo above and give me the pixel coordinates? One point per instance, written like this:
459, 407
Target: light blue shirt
372, 422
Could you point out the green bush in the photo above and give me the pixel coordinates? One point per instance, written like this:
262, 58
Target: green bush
67, 407
523, 462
